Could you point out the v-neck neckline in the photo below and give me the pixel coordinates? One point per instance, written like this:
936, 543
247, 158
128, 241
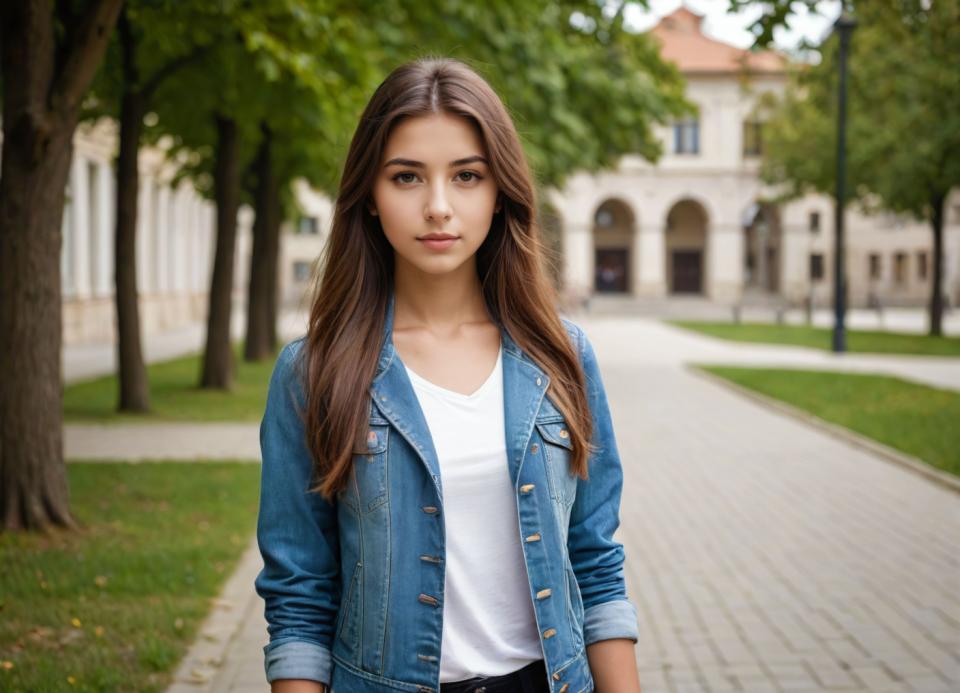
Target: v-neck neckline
429, 385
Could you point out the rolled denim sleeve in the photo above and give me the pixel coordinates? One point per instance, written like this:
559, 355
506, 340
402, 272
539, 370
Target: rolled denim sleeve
596, 558
298, 539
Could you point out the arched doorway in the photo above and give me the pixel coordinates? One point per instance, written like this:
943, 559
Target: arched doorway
762, 243
613, 224
686, 245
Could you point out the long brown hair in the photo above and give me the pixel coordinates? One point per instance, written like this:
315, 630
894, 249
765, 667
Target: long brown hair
348, 310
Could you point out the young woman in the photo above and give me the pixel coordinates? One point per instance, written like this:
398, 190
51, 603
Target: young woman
441, 482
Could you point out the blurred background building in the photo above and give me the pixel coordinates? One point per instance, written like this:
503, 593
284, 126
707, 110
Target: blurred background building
694, 224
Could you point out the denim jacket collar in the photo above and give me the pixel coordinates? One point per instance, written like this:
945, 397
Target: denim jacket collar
524, 388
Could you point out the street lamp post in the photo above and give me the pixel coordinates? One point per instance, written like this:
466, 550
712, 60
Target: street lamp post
844, 25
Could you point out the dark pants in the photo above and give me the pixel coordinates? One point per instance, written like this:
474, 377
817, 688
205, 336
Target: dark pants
531, 679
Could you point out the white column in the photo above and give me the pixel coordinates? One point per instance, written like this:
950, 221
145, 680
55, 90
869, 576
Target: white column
80, 214
578, 257
105, 215
651, 260
144, 236
162, 202
173, 239
724, 265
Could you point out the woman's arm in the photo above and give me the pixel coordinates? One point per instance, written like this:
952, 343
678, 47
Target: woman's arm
610, 620
297, 686
299, 540
614, 666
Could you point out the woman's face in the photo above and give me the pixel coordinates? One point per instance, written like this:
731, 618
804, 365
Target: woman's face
434, 193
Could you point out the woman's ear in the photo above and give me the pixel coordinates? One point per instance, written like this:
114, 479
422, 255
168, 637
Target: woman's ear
371, 209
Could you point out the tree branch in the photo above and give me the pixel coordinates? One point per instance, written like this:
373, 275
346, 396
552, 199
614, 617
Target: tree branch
172, 67
85, 48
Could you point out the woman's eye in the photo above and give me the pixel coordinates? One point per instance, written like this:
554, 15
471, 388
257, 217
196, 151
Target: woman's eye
400, 177
473, 176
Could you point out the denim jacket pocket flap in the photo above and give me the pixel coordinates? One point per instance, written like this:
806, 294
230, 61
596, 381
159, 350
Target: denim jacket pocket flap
377, 438
555, 432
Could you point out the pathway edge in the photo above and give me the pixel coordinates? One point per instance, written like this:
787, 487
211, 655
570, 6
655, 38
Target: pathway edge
847, 435
201, 665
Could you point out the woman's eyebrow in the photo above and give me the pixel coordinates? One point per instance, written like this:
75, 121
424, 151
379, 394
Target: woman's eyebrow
419, 164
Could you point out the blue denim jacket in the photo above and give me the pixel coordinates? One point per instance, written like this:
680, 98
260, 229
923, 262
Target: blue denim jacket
354, 587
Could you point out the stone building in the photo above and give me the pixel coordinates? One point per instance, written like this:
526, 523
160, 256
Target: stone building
696, 223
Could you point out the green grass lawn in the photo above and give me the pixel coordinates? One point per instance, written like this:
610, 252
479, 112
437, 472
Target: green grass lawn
821, 338
115, 606
174, 394
914, 418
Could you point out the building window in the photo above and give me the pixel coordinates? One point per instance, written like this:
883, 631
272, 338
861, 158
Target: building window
752, 138
301, 271
814, 222
816, 266
308, 226
875, 266
922, 264
686, 136
899, 267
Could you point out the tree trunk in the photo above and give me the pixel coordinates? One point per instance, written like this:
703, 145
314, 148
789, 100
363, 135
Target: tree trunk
42, 90
257, 346
273, 267
218, 356
936, 294
134, 387
32, 471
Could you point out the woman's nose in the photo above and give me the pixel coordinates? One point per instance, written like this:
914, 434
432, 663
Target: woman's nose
438, 207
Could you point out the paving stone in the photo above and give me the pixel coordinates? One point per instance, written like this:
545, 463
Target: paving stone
763, 554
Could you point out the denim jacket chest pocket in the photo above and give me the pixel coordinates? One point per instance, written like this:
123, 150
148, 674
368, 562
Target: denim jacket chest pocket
368, 487
557, 452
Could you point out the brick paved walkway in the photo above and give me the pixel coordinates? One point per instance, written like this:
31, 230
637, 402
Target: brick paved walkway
762, 554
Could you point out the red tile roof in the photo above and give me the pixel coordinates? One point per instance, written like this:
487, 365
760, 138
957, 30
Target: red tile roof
682, 42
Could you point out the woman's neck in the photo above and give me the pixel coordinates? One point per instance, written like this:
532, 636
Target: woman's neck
438, 302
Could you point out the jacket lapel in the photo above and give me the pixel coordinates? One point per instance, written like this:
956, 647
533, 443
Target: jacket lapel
524, 385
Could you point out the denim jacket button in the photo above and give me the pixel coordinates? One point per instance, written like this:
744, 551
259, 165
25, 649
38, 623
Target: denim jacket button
526, 488
549, 632
539, 381
544, 593
534, 447
534, 537
563, 433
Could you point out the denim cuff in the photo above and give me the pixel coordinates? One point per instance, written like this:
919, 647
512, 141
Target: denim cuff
297, 659
616, 619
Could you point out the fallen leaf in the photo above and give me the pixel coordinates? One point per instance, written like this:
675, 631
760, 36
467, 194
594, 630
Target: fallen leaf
72, 680
98, 631
7, 664
100, 581
75, 622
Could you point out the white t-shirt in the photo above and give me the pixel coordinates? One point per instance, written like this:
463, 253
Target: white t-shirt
489, 627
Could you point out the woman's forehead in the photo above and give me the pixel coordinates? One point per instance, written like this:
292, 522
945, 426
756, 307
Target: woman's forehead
437, 139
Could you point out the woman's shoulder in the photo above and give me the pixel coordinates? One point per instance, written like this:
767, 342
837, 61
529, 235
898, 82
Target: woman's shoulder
573, 329
287, 369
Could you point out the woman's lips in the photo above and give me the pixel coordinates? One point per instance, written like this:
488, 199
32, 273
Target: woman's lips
438, 243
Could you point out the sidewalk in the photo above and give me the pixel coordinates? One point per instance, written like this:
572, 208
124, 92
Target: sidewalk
84, 361
762, 554
650, 341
